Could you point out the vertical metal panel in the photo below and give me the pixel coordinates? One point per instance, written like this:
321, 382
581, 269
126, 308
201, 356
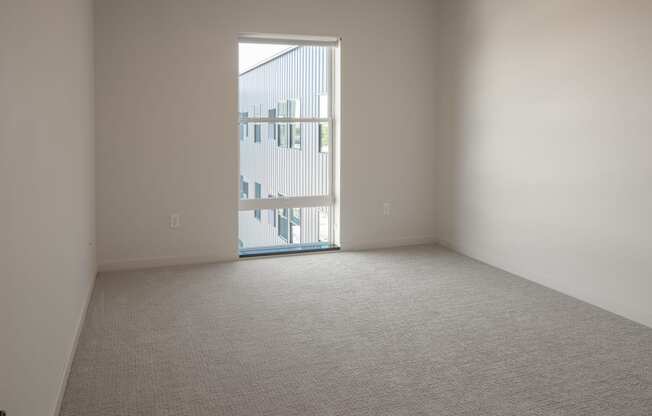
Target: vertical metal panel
302, 73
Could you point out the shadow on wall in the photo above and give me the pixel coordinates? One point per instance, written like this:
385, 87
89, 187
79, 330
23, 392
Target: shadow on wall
454, 57
544, 130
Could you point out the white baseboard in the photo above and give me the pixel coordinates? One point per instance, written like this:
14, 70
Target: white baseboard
71, 356
601, 301
156, 262
395, 242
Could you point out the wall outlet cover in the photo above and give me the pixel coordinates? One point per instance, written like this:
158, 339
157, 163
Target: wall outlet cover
175, 220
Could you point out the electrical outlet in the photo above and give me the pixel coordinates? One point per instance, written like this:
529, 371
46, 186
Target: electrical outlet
175, 220
387, 207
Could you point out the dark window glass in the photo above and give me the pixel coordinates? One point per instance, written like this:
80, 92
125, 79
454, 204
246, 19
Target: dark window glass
257, 133
283, 139
295, 136
295, 226
271, 129
323, 137
296, 216
283, 223
243, 126
258, 194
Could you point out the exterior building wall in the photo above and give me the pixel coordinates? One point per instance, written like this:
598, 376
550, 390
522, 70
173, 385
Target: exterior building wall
300, 75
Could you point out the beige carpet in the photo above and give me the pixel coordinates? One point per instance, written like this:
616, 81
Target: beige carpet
411, 331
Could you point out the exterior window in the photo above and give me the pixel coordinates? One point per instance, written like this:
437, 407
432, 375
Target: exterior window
295, 136
289, 224
289, 134
257, 133
296, 216
323, 127
244, 127
294, 111
295, 234
283, 139
282, 128
282, 225
282, 109
323, 226
244, 188
323, 137
271, 130
295, 226
289, 97
283, 222
258, 195
294, 108
272, 213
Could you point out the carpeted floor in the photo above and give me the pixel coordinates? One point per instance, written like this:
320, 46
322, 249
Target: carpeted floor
409, 331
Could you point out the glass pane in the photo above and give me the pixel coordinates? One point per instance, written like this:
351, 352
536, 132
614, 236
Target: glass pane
323, 106
281, 227
295, 136
323, 137
284, 158
257, 133
291, 159
324, 225
244, 188
283, 134
292, 80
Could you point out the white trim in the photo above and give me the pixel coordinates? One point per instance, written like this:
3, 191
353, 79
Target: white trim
335, 145
289, 254
286, 202
332, 142
581, 293
313, 201
247, 120
75, 343
156, 262
394, 242
296, 40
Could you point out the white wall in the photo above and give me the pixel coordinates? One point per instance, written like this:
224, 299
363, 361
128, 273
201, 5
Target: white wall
166, 112
545, 143
46, 196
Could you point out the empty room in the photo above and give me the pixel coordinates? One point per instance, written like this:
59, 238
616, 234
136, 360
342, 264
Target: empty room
326, 208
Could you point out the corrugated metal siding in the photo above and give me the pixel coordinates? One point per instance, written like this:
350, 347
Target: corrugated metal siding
263, 233
303, 74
